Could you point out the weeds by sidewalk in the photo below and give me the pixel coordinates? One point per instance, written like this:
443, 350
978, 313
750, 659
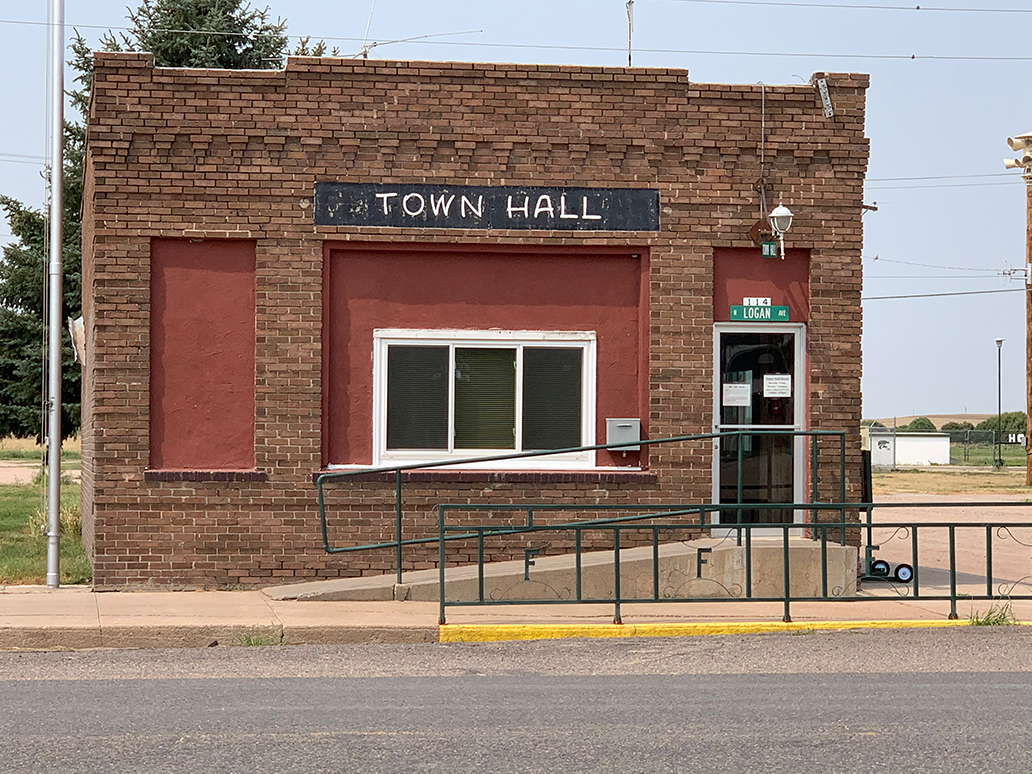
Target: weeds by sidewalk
23, 546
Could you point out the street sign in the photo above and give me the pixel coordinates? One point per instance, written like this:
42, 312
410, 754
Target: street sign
769, 249
759, 313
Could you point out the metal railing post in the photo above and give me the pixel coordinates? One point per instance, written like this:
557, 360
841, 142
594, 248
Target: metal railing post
787, 618
480, 563
953, 573
577, 558
913, 561
440, 563
988, 561
397, 524
616, 575
655, 563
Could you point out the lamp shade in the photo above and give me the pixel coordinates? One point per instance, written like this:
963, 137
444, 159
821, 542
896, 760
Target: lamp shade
781, 219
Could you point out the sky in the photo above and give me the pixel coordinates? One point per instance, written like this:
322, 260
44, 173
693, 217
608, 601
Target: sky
945, 94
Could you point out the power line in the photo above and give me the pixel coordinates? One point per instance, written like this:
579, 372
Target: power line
935, 177
1015, 179
614, 49
926, 265
938, 295
858, 7
931, 276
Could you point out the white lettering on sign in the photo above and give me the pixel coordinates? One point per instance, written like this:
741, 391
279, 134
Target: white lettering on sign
525, 209
562, 209
544, 204
584, 210
405, 204
777, 385
756, 313
1018, 438
386, 198
478, 210
439, 205
755, 302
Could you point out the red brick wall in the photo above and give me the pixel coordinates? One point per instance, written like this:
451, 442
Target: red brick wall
235, 155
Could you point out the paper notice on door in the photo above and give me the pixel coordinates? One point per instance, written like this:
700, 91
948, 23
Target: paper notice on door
737, 395
777, 386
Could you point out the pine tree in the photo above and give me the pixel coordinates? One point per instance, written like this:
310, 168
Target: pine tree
180, 33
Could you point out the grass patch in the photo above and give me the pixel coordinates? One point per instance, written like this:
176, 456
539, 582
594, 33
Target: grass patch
996, 615
23, 547
257, 638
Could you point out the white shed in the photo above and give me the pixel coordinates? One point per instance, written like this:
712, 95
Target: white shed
891, 449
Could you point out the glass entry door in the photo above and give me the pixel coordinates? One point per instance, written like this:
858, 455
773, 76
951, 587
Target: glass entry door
759, 385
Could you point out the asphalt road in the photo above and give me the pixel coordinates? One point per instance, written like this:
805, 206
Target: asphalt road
899, 701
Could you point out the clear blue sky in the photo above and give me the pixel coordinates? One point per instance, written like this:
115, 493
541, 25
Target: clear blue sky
927, 118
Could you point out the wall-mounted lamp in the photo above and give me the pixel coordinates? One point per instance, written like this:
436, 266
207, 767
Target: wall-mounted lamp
780, 222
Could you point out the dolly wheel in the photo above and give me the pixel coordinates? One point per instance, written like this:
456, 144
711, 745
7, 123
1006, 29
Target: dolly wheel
904, 573
880, 568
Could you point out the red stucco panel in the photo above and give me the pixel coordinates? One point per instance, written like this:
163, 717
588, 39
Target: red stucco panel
202, 331
370, 287
741, 272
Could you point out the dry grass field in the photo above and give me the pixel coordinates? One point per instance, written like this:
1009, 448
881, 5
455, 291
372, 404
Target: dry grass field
1006, 481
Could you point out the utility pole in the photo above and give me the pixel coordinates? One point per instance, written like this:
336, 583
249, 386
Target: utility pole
55, 294
1023, 142
630, 28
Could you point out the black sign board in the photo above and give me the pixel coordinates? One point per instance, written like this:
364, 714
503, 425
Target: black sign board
487, 207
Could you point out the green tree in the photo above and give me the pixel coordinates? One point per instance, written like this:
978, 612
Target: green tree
870, 423
180, 33
918, 425
1011, 422
957, 426
222, 34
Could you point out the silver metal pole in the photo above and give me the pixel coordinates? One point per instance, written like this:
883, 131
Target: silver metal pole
55, 305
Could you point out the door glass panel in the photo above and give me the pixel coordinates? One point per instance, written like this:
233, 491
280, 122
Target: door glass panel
767, 477
756, 375
757, 390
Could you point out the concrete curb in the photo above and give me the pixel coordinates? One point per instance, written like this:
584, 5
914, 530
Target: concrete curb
503, 633
200, 636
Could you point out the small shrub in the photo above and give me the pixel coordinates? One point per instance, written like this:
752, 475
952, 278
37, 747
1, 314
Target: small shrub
71, 522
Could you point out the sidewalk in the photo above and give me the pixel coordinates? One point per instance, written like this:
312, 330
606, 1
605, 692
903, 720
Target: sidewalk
74, 617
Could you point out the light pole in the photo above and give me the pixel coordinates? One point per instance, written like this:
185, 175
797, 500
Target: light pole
999, 403
1023, 143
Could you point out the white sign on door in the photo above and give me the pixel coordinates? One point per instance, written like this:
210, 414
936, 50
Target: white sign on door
777, 385
737, 395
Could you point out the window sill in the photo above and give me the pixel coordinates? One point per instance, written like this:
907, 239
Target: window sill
598, 476
205, 475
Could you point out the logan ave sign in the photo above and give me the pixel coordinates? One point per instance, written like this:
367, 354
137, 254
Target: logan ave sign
487, 207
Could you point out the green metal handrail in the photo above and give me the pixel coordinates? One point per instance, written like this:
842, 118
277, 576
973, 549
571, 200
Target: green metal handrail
398, 470
624, 524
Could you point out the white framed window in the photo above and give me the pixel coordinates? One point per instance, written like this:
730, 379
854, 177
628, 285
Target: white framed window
457, 394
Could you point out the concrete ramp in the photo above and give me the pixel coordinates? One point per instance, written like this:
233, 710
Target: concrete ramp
705, 568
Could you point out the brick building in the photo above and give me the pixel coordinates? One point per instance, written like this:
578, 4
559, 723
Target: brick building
352, 264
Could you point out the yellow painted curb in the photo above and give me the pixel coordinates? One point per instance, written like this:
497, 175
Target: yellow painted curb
504, 632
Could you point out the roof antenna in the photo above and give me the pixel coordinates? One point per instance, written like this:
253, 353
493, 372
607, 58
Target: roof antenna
365, 38
630, 28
